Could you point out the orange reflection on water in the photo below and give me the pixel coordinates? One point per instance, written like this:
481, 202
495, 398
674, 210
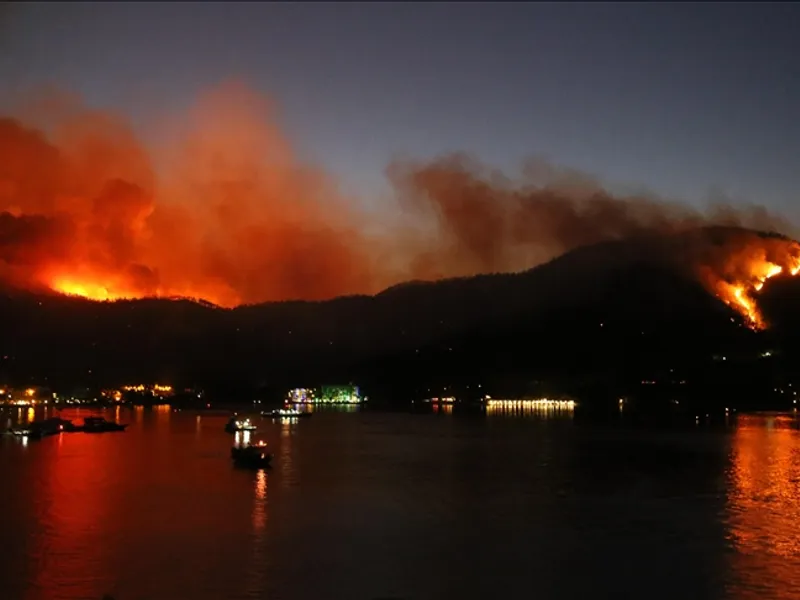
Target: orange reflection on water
763, 509
76, 505
288, 428
242, 438
260, 504
255, 574
531, 408
163, 413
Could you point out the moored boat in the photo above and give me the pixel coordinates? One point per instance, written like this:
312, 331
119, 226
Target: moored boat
26, 431
100, 425
235, 425
286, 413
253, 456
44, 428
57, 425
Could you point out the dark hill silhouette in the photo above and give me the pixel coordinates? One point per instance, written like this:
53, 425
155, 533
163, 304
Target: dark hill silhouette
623, 306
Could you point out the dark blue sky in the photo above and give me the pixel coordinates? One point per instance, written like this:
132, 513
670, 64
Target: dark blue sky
680, 98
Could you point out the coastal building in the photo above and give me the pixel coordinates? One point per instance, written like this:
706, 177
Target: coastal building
327, 394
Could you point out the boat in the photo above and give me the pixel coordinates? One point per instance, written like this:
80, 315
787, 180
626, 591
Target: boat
58, 425
100, 425
26, 431
286, 413
40, 429
235, 425
254, 456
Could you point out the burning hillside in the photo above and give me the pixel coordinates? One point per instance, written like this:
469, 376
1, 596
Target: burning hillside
737, 268
225, 212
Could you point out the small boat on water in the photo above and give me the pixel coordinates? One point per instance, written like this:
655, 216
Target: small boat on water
254, 456
40, 429
235, 425
65, 425
25, 431
100, 425
286, 413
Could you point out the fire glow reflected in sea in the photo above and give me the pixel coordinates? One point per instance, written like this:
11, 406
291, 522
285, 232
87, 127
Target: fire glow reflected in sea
764, 504
410, 506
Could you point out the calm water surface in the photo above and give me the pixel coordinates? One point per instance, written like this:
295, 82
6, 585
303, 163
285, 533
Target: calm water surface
371, 505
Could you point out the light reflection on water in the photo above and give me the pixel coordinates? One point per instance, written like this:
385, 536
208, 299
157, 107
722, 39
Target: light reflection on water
242, 438
256, 572
764, 505
163, 414
402, 505
259, 507
444, 409
284, 458
326, 408
72, 507
522, 408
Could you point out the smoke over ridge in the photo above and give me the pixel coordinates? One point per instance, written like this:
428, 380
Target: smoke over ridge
234, 217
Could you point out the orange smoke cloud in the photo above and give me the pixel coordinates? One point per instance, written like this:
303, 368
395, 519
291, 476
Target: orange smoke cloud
228, 214
234, 219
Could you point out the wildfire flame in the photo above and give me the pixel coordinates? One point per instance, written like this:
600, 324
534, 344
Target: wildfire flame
84, 290
112, 290
746, 272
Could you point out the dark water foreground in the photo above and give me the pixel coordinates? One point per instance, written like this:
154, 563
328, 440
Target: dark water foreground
370, 505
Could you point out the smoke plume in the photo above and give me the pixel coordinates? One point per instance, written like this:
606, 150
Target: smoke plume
229, 214
489, 223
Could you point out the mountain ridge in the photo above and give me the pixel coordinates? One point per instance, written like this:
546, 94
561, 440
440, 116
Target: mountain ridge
545, 318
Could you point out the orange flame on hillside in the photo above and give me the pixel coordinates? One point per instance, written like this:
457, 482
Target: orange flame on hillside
746, 270
91, 291
110, 288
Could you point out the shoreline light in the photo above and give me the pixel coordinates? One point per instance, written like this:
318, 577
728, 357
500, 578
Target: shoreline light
331, 394
541, 403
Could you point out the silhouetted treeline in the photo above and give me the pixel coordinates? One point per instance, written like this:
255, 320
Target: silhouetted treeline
595, 323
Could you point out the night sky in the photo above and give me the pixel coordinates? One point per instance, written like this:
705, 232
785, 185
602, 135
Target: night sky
691, 101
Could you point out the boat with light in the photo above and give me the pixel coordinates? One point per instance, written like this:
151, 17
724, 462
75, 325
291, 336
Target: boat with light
286, 413
100, 425
234, 425
253, 456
